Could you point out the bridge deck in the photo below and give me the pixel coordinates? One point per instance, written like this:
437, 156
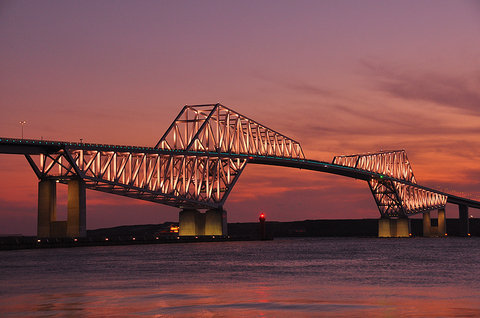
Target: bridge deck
32, 147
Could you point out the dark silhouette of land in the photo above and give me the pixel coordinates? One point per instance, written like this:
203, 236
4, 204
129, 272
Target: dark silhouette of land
162, 234
307, 228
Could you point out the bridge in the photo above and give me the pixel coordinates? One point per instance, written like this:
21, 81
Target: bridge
195, 165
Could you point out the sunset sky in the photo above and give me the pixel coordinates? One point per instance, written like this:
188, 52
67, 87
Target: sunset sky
340, 77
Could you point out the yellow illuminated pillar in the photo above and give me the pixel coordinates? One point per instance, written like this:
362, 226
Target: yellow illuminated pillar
442, 226
384, 227
76, 209
427, 224
215, 222
187, 222
47, 207
403, 227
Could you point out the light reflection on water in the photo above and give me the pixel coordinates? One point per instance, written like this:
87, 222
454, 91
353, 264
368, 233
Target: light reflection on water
307, 277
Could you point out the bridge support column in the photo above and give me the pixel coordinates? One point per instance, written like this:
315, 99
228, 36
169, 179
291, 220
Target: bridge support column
193, 223
394, 227
402, 227
47, 207
384, 227
188, 222
432, 231
47, 224
76, 207
427, 224
464, 228
442, 225
216, 222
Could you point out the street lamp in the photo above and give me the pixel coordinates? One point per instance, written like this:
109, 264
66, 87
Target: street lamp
22, 122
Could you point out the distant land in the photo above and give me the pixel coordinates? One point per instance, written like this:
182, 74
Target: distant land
163, 233
307, 228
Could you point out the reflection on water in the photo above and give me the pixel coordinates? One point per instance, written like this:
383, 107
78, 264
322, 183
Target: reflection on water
307, 277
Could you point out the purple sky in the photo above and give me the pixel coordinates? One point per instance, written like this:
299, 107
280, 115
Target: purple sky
340, 77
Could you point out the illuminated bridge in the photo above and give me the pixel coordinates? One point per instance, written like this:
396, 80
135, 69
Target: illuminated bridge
195, 165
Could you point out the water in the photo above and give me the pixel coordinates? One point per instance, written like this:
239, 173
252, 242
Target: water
301, 277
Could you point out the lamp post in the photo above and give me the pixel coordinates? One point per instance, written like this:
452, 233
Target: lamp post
22, 122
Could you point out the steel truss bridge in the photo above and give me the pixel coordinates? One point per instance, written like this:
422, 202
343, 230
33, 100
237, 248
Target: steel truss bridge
198, 160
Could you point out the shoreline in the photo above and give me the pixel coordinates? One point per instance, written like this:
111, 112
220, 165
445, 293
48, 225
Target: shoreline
158, 233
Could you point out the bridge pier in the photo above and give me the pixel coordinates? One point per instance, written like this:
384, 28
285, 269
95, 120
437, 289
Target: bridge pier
216, 222
193, 223
47, 207
394, 227
188, 220
47, 224
432, 231
77, 209
464, 227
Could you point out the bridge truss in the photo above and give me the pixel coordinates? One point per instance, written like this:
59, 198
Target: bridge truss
216, 128
201, 156
194, 165
395, 191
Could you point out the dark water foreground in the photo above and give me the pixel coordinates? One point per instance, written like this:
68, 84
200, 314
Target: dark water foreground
286, 277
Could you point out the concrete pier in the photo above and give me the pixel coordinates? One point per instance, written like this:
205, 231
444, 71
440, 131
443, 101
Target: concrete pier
193, 223
394, 227
47, 224
427, 224
464, 226
384, 227
187, 222
442, 225
47, 207
216, 222
76, 207
434, 231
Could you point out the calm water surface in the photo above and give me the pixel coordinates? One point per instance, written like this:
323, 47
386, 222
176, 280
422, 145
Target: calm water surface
302, 277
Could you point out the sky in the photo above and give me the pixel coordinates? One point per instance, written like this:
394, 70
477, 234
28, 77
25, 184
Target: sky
340, 77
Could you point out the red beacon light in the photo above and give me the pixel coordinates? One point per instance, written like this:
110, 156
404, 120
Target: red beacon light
262, 226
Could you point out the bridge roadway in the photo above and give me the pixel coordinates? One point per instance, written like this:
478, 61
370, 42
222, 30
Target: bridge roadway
321, 166
29, 147
36, 147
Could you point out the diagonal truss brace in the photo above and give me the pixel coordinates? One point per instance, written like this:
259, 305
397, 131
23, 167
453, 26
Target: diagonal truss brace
393, 184
216, 128
181, 180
